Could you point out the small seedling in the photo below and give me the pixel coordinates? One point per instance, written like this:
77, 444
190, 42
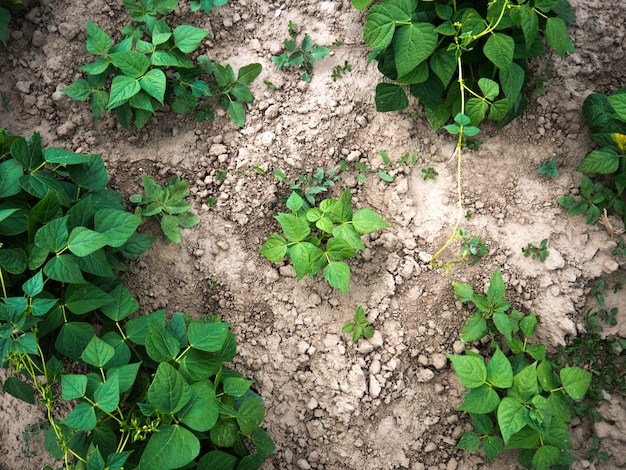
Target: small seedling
549, 169
259, 170
429, 173
167, 205
206, 5
595, 454
303, 57
620, 250
359, 326
269, 84
340, 70
473, 144
221, 175
308, 186
540, 253
318, 239
472, 247
468, 215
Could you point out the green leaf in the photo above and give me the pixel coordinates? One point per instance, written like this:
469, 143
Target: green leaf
29, 154
499, 370
294, 228
61, 155
174, 58
172, 447
209, 337
546, 457
161, 32
348, 233
73, 339
390, 97
443, 63
97, 352
512, 416
53, 236
469, 441
338, 275
512, 80
481, 400
161, 345
379, 26
603, 161
492, 445
132, 63
187, 38
122, 304
275, 248
525, 384
575, 381
248, 73
83, 242
81, 418
19, 389
503, 324
79, 90
489, 88
169, 392
98, 103
496, 290
125, 374
475, 328
471, 370
117, 225
122, 89
98, 42
367, 221
476, 109
462, 291
89, 175
413, 44
361, 4
556, 36
338, 250
236, 387
218, 459
250, 415
618, 103
154, 83
107, 395
528, 325
63, 268
499, 49
201, 411
13, 260
236, 113
84, 298
122, 351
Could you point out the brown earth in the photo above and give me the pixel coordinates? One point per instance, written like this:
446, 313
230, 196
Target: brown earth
385, 403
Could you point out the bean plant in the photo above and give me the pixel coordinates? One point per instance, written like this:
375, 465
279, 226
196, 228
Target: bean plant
442, 50
319, 239
519, 401
145, 391
151, 67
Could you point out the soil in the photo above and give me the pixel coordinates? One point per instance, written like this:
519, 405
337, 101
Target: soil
380, 404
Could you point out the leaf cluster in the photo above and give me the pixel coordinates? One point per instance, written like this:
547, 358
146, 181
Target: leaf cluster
359, 326
606, 118
603, 355
537, 253
6, 7
310, 185
302, 56
151, 67
339, 71
549, 169
167, 205
472, 247
486, 45
206, 5
147, 392
319, 239
520, 401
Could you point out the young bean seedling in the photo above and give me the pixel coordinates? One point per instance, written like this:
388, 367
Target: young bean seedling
359, 327
537, 253
303, 56
340, 70
319, 238
549, 169
472, 247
